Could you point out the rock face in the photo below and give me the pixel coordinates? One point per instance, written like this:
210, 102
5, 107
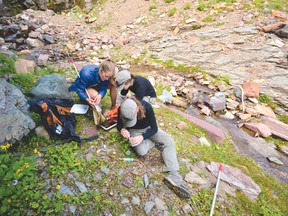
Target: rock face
15, 121
51, 86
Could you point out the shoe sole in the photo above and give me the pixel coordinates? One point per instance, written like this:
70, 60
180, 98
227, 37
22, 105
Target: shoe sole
181, 192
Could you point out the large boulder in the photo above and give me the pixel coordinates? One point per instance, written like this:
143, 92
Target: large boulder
51, 86
15, 121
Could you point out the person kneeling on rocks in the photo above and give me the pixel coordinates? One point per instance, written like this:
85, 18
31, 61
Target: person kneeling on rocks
140, 86
137, 122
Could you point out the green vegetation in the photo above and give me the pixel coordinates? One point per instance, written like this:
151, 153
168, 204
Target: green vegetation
152, 7
283, 118
220, 23
168, 1
24, 81
263, 98
201, 6
7, 65
197, 26
186, 6
209, 18
171, 11
227, 1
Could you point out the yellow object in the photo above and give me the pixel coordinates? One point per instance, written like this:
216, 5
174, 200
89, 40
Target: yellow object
98, 117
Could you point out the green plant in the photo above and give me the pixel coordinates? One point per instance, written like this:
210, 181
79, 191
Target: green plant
19, 188
171, 11
187, 6
62, 158
209, 18
283, 118
220, 23
197, 26
152, 7
201, 6
7, 65
24, 81
168, 1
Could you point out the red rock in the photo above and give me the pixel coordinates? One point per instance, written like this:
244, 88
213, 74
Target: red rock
251, 88
262, 129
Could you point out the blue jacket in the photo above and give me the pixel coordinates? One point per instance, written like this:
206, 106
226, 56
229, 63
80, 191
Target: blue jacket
88, 78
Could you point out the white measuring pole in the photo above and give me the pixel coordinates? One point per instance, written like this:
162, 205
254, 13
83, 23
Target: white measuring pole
216, 189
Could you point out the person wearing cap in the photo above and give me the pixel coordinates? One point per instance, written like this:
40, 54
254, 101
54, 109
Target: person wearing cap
92, 83
137, 122
140, 86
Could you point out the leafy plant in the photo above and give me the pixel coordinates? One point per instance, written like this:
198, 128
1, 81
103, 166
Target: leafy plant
168, 1
19, 189
197, 26
209, 18
62, 158
24, 81
152, 7
201, 6
171, 11
7, 65
187, 6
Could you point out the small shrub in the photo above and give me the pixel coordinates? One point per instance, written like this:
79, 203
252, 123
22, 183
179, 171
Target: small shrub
263, 98
7, 65
168, 1
152, 7
201, 6
197, 26
187, 6
171, 11
209, 18
220, 23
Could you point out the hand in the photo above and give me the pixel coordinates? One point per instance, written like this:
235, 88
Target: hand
91, 102
136, 140
125, 133
97, 99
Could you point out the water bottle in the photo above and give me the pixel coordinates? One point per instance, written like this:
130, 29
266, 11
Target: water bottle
128, 159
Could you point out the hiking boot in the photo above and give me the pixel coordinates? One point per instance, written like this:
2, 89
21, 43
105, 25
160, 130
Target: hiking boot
177, 184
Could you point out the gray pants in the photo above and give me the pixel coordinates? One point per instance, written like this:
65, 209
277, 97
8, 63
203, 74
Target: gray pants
167, 146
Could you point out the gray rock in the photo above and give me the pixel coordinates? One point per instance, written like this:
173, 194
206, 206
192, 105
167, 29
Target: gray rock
72, 208
136, 200
81, 187
105, 170
148, 206
51, 86
145, 181
275, 160
15, 121
34, 43
125, 201
88, 156
65, 190
160, 204
283, 32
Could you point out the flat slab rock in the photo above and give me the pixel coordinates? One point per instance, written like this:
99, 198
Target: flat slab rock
277, 127
236, 178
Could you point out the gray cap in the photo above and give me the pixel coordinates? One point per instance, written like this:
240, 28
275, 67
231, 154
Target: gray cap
129, 112
121, 78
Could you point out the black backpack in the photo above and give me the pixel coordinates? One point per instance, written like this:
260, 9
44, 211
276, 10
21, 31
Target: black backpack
56, 118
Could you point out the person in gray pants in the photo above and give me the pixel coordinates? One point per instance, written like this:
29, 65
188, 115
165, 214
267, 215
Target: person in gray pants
137, 122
